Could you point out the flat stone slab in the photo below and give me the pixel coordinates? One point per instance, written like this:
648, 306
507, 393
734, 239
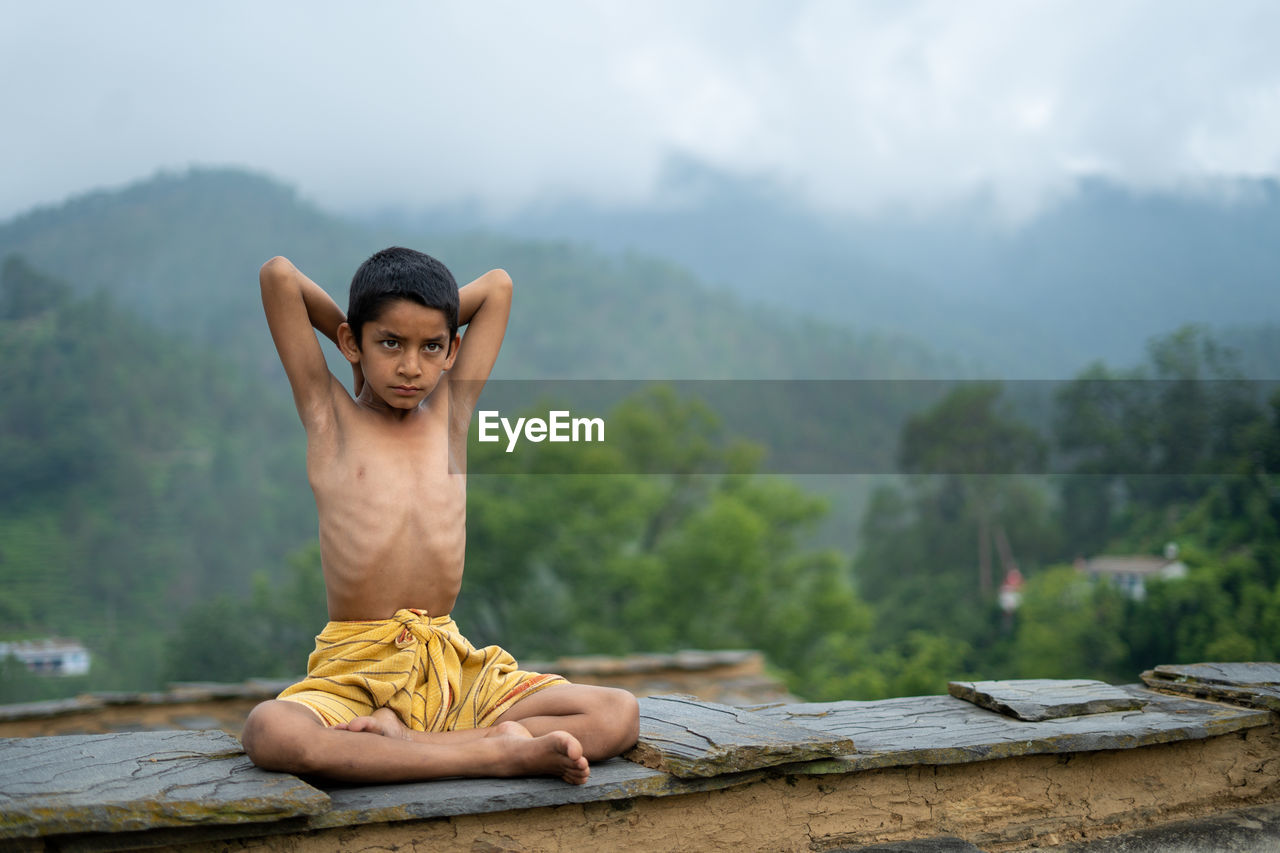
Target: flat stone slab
136, 781
689, 738
1239, 674
1046, 698
616, 779
1253, 684
947, 730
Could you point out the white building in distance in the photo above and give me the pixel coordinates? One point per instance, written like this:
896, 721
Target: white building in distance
52, 656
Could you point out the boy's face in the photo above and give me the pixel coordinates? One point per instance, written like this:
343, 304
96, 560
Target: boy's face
402, 353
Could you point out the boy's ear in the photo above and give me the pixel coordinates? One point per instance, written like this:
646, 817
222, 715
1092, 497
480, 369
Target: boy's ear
348, 344
454, 345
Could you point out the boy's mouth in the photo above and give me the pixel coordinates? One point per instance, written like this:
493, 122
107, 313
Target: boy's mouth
406, 390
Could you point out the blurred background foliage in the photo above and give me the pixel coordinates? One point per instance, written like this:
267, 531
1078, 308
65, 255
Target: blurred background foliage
154, 504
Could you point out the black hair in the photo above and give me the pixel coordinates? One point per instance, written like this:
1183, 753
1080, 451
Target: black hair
398, 273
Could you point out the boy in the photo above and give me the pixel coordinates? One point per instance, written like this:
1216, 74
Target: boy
394, 692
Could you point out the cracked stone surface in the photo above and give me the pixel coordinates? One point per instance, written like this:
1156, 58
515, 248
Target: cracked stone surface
1253, 684
134, 781
692, 739
1046, 698
616, 779
947, 730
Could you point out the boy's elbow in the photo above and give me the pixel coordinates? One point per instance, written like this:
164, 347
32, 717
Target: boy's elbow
501, 280
274, 270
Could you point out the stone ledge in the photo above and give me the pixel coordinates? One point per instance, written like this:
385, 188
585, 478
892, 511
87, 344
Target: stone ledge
119, 791
997, 806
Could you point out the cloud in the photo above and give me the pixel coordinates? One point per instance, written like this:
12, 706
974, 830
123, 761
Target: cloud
855, 106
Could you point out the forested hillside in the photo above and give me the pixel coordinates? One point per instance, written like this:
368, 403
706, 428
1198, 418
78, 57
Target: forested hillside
138, 474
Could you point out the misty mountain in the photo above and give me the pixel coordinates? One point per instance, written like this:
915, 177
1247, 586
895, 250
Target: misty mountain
1092, 278
184, 249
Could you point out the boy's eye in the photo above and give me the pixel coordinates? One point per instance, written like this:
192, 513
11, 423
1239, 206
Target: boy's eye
433, 348
390, 344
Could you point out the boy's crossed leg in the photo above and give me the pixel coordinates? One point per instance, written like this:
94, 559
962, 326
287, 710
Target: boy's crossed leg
605, 720
553, 732
289, 737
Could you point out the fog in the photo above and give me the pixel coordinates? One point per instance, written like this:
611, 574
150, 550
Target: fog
851, 106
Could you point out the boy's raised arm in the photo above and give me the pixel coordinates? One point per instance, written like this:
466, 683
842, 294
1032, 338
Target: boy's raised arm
483, 306
296, 307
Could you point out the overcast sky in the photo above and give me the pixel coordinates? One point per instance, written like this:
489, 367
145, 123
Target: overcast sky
854, 105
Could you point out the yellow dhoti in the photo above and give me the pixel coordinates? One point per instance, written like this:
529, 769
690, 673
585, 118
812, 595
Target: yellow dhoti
418, 666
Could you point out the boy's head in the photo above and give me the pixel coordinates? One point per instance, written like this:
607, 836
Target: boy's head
398, 273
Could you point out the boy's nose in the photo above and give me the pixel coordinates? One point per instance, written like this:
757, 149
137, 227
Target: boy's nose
409, 365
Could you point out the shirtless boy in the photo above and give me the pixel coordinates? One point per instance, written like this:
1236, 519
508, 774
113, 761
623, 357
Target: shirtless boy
394, 692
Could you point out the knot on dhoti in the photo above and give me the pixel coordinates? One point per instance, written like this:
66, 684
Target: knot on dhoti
415, 626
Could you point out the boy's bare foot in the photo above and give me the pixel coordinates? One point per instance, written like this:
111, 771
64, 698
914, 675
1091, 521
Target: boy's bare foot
553, 754
383, 721
522, 754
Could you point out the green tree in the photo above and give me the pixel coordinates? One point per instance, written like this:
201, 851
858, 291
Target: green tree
1147, 440
1071, 627
27, 292
975, 447
1181, 450
936, 617
600, 561
270, 635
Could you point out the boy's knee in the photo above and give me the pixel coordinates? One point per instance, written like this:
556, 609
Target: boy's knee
274, 737
623, 710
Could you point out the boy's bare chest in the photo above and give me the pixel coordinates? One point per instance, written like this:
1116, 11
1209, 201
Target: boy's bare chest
410, 466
